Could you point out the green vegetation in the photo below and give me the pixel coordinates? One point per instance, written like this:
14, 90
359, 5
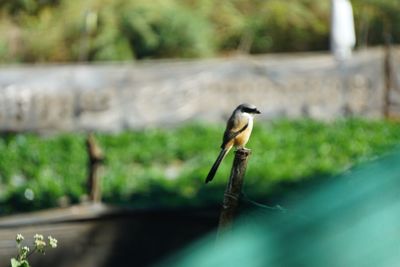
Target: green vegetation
24, 252
74, 30
154, 167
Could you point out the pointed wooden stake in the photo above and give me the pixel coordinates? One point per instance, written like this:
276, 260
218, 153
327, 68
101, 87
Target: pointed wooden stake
233, 190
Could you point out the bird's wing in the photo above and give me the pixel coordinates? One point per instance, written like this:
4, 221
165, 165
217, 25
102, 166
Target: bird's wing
232, 132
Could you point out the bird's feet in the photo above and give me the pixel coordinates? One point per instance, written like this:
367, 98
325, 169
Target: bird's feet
243, 149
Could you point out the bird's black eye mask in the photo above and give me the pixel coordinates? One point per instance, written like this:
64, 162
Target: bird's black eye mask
250, 110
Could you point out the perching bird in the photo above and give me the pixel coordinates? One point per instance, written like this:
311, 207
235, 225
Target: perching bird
237, 133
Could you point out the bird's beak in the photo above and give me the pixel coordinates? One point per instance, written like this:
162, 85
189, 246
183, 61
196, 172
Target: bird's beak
257, 111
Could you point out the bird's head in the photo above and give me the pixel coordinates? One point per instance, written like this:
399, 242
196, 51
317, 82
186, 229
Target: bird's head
248, 108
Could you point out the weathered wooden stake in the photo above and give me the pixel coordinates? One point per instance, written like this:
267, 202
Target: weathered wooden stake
388, 76
95, 161
233, 190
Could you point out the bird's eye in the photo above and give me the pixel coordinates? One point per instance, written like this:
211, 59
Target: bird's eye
249, 110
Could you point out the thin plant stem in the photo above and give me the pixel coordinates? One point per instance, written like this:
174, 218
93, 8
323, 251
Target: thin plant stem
31, 252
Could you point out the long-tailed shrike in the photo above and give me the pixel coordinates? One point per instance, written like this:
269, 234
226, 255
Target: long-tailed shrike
237, 133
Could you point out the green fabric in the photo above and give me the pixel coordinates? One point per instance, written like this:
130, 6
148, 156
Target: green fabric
351, 220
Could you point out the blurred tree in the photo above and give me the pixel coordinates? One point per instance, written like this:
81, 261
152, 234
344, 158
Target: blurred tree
291, 26
165, 29
25, 6
377, 20
72, 30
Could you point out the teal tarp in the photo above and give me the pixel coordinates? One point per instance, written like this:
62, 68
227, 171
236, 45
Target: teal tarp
351, 220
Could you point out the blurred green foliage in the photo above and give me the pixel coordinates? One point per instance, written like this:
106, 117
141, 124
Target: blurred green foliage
154, 167
73, 30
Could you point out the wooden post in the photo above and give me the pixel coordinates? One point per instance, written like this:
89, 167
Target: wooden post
96, 158
388, 77
233, 190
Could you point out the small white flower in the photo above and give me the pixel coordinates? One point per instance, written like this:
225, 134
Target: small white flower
38, 237
19, 238
25, 250
40, 245
52, 241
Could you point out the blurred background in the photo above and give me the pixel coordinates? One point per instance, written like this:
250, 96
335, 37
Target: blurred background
99, 30
113, 111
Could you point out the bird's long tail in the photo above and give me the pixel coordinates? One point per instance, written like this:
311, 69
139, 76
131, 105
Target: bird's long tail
215, 166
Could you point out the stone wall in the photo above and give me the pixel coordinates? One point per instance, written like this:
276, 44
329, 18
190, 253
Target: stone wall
111, 97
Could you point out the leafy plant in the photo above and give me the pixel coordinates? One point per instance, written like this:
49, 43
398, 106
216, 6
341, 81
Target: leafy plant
24, 252
167, 166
